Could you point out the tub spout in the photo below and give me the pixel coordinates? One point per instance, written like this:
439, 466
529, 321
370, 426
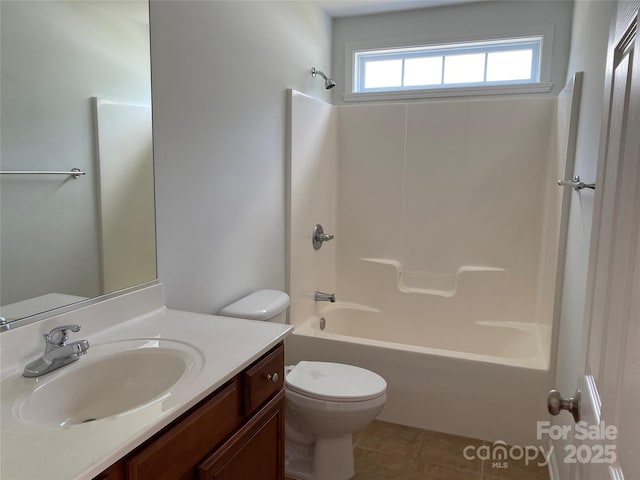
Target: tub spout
325, 297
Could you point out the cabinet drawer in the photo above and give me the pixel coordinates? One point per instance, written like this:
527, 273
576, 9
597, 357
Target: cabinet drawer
262, 380
177, 452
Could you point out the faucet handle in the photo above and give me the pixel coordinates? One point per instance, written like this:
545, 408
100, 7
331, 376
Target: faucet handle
319, 236
58, 336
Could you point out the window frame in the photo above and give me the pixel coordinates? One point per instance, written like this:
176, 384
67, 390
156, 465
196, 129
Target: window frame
358, 52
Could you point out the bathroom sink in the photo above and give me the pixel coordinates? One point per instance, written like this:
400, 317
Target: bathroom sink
118, 380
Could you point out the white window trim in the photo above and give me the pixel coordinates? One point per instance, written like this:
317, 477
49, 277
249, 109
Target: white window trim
543, 86
538, 87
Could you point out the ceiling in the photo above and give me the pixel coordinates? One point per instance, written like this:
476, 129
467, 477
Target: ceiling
347, 8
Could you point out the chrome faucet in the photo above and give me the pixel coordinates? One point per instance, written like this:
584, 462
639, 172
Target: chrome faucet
325, 297
57, 352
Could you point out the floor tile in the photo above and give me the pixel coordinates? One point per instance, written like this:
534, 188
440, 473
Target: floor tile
448, 450
510, 469
515, 470
391, 438
373, 465
386, 451
428, 471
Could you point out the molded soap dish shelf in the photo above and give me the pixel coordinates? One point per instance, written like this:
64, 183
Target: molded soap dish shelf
430, 283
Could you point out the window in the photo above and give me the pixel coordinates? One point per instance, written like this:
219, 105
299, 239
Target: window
462, 64
507, 65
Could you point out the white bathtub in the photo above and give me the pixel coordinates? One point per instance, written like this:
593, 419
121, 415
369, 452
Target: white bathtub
517, 344
484, 380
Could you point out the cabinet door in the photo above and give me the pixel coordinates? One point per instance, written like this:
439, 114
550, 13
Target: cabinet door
176, 453
256, 451
114, 472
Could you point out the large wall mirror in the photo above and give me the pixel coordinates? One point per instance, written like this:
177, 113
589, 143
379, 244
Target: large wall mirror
75, 94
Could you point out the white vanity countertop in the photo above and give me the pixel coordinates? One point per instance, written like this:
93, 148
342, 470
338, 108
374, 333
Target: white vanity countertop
224, 346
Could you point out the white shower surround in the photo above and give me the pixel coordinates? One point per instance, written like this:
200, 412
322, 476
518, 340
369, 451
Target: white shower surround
445, 256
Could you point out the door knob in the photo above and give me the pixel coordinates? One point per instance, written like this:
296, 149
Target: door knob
556, 402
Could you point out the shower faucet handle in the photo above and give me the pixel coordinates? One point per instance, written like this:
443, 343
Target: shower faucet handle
319, 236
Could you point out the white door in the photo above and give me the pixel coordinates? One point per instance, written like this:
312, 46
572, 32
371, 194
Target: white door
607, 444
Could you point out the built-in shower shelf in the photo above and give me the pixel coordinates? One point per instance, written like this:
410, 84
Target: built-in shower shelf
430, 283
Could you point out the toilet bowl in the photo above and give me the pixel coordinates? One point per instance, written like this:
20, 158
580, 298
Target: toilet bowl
325, 402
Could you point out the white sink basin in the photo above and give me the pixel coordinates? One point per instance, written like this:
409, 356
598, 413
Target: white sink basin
111, 379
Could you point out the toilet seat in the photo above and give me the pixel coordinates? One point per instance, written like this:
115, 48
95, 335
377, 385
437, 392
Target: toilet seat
335, 382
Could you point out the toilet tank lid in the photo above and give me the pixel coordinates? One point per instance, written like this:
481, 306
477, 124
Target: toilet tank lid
259, 305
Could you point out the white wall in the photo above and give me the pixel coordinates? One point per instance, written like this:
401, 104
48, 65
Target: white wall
56, 56
467, 19
591, 21
220, 72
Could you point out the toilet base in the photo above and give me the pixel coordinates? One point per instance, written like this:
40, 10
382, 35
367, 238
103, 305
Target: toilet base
326, 459
298, 460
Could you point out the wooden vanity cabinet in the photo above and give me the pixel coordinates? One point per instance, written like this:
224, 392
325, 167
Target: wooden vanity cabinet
236, 433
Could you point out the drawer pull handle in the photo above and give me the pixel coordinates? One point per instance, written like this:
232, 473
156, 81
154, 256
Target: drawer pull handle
273, 377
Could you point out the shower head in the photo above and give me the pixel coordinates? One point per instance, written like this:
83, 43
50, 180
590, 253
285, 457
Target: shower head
328, 83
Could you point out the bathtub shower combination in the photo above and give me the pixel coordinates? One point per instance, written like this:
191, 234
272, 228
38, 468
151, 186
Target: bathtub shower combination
449, 229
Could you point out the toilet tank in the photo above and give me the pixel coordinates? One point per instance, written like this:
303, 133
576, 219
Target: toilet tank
260, 305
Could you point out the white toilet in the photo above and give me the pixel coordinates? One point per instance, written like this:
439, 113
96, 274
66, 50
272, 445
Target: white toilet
325, 402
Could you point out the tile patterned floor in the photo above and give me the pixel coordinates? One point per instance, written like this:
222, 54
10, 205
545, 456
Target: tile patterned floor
385, 451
